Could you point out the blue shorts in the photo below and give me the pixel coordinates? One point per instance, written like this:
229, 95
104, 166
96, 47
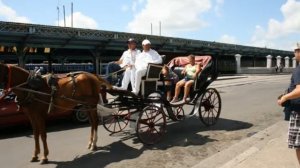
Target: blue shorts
188, 78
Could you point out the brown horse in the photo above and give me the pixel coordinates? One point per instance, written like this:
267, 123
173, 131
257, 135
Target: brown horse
82, 87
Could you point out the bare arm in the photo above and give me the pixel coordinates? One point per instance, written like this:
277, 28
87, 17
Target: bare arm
120, 61
184, 70
292, 95
198, 70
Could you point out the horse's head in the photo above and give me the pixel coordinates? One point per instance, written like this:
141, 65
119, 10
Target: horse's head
3, 75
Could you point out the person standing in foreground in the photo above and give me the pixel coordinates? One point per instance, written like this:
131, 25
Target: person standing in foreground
142, 60
128, 61
293, 96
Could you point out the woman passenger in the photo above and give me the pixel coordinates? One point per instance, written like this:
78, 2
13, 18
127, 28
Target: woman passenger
170, 79
190, 72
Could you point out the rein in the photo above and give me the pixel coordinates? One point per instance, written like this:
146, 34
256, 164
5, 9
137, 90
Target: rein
113, 73
47, 94
60, 107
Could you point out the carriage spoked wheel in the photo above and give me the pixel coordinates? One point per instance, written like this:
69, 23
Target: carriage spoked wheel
117, 122
210, 107
151, 125
179, 112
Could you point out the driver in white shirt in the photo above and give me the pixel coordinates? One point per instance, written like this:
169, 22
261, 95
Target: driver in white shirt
128, 61
141, 63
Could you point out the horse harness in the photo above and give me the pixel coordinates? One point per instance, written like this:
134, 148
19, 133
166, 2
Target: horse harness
52, 82
35, 83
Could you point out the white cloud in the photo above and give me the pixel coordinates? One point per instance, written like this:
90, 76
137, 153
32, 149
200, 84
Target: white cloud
175, 16
219, 4
280, 34
124, 8
9, 14
228, 39
136, 4
79, 20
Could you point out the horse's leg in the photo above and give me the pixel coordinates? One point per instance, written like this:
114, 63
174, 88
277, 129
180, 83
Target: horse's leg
37, 150
35, 132
91, 136
43, 135
94, 118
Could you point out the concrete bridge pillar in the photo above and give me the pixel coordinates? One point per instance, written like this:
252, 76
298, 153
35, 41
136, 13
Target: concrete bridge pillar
96, 54
97, 64
238, 63
286, 62
278, 60
21, 52
269, 61
294, 62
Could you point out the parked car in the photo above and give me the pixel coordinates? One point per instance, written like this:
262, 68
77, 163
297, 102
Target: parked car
10, 115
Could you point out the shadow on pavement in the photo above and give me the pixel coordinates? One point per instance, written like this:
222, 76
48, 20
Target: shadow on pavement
184, 133
26, 130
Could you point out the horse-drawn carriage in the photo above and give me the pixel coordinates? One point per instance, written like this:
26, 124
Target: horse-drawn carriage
151, 109
38, 96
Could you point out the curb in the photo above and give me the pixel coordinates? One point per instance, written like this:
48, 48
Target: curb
237, 153
230, 77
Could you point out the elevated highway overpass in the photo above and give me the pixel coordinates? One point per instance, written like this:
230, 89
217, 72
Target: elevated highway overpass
26, 43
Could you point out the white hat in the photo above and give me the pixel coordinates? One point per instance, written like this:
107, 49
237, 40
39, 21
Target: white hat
297, 47
145, 42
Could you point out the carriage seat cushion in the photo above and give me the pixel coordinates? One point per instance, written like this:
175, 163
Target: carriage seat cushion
183, 61
178, 63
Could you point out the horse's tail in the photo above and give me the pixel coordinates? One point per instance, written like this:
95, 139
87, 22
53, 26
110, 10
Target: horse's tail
103, 82
103, 111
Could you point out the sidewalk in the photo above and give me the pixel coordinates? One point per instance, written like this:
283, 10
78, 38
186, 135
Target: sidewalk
231, 77
266, 149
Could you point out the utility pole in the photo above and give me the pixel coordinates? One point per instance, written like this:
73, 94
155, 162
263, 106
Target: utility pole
151, 29
71, 14
57, 8
159, 28
64, 15
57, 15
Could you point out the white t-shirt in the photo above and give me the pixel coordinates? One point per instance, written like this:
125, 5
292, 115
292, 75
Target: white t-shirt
144, 58
129, 57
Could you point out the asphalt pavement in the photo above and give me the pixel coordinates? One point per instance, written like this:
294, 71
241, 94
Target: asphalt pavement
248, 107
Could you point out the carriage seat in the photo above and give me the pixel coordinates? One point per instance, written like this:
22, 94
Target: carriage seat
178, 64
149, 82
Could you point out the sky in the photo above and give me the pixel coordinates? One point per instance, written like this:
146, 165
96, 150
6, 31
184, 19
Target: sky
262, 23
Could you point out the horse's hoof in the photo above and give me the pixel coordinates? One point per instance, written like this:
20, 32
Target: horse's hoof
44, 161
34, 159
89, 146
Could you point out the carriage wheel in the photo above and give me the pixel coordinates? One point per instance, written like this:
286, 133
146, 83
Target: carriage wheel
151, 125
210, 107
116, 122
179, 112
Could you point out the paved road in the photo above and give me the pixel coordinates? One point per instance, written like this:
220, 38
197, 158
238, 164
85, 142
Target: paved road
249, 105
